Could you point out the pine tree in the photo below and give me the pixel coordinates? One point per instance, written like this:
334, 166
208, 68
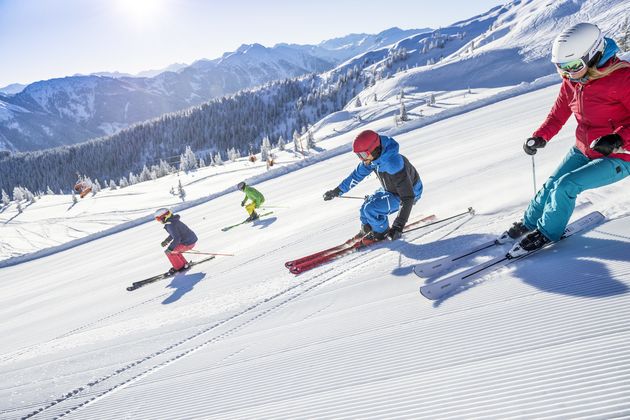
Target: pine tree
112, 185
403, 112
180, 191
123, 182
265, 148
49, 191
357, 103
310, 140
188, 160
297, 144
6, 200
18, 194
218, 160
281, 143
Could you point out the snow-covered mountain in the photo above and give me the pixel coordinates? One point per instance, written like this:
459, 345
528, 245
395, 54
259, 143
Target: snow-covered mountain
12, 89
241, 337
68, 110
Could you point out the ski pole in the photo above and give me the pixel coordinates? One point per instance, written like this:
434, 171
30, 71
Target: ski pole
534, 173
207, 253
470, 211
353, 197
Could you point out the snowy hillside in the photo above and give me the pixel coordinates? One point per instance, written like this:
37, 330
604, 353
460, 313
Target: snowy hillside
240, 337
73, 109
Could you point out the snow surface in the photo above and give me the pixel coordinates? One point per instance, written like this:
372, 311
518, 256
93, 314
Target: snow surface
240, 337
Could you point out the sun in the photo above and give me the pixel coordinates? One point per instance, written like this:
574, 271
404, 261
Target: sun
140, 12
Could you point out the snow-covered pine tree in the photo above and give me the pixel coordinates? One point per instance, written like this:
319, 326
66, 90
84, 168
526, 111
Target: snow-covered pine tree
112, 185
265, 148
218, 160
164, 168
281, 143
403, 112
310, 140
123, 182
49, 191
297, 143
357, 103
145, 175
180, 191
6, 200
133, 179
18, 194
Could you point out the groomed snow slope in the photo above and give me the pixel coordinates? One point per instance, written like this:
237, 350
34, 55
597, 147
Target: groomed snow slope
240, 337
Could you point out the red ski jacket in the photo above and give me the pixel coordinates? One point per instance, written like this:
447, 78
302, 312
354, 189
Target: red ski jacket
600, 106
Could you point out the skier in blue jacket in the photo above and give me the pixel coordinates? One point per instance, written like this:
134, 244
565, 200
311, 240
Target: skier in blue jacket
401, 185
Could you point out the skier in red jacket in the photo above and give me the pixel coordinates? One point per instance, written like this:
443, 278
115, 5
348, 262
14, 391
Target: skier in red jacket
596, 90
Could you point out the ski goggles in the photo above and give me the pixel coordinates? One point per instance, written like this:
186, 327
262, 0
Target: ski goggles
364, 155
572, 66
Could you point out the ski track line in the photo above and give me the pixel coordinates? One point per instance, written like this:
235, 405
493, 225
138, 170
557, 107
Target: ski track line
74, 393
13, 355
531, 354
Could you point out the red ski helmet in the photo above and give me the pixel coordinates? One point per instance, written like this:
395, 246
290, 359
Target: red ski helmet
365, 143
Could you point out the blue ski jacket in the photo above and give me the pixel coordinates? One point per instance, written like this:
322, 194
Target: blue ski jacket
396, 175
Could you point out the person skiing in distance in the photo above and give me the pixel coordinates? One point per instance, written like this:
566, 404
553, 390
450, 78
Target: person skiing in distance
401, 186
596, 90
180, 239
256, 200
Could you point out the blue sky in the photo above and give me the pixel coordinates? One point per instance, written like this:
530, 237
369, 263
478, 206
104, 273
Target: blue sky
42, 39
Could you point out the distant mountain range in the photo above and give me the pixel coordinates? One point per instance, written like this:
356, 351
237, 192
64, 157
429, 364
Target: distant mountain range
73, 109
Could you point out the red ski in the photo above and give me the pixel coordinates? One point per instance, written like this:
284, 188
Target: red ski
351, 245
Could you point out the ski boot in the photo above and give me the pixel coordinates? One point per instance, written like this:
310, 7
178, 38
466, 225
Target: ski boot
365, 230
517, 230
532, 242
252, 217
372, 237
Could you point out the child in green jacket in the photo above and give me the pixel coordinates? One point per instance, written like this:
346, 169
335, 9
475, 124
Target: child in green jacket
257, 199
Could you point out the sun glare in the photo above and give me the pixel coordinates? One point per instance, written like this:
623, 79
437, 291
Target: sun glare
141, 12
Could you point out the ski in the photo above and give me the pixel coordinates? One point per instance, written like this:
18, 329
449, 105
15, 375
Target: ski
245, 221
440, 288
353, 245
433, 268
349, 244
137, 284
324, 258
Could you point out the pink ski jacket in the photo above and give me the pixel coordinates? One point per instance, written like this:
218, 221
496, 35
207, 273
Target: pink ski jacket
600, 106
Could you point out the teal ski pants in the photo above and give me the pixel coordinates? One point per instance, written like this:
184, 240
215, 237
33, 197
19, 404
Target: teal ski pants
551, 208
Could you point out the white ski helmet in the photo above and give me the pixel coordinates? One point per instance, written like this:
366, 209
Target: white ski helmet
577, 47
162, 214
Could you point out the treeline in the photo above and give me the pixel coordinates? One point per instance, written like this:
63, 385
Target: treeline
215, 130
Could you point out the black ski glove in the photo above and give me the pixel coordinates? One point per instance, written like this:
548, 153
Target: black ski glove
533, 143
395, 232
607, 144
243, 203
165, 242
329, 195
